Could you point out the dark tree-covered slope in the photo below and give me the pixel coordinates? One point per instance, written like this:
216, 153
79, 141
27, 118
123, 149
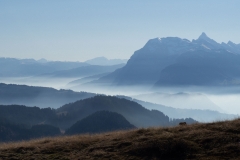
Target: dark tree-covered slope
21, 122
10, 131
132, 111
101, 121
26, 115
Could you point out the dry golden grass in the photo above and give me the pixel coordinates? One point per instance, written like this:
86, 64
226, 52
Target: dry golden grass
219, 140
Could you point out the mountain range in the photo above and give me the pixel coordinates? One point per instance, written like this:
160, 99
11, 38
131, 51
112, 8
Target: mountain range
83, 71
169, 61
42, 72
200, 115
173, 61
38, 96
105, 62
12, 67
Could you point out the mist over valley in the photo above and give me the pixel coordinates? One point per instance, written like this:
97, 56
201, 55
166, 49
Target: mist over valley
168, 82
209, 80
119, 79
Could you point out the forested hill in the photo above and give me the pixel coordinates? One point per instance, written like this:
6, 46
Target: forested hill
132, 111
101, 121
69, 114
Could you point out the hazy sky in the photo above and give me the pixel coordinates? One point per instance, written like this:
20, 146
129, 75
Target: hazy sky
76, 30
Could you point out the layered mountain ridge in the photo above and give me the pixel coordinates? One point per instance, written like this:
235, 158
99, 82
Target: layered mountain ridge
176, 61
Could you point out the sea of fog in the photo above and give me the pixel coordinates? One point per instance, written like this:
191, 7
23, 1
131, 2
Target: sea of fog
224, 99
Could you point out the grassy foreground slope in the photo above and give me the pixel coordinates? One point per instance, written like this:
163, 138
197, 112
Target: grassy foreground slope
220, 140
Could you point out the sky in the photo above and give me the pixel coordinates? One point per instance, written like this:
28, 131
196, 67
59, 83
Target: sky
77, 30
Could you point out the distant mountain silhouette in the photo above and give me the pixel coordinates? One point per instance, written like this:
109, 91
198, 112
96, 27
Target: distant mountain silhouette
145, 65
201, 115
11, 67
104, 61
38, 96
82, 71
176, 61
101, 121
197, 114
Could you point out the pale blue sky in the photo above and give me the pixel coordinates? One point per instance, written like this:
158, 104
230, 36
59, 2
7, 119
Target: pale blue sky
76, 30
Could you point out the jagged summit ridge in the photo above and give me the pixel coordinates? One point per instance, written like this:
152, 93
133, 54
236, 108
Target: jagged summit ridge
172, 58
170, 45
176, 45
203, 36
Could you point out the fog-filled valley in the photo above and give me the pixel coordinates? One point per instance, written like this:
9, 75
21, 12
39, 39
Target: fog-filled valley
144, 80
168, 81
